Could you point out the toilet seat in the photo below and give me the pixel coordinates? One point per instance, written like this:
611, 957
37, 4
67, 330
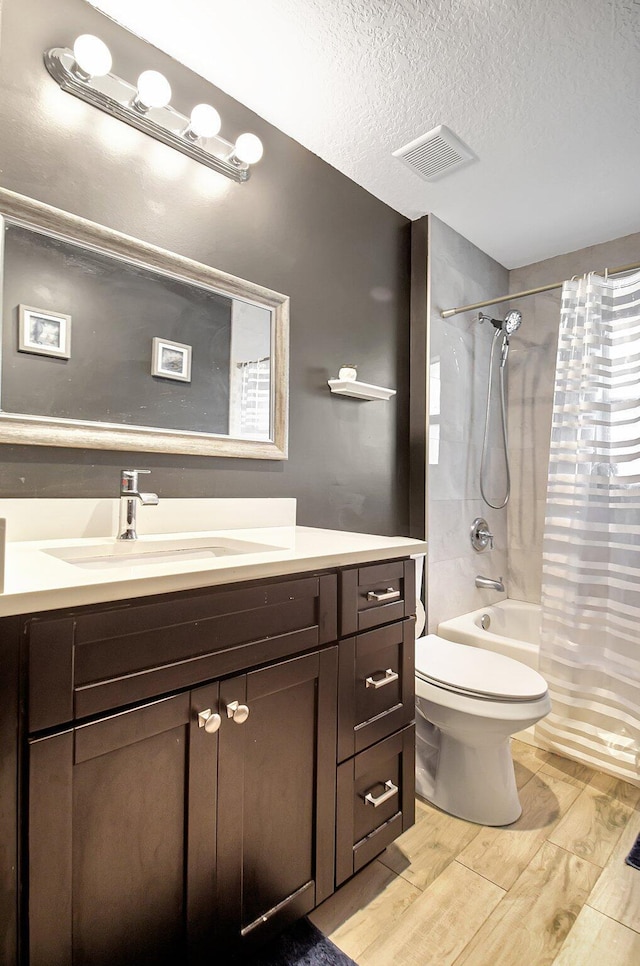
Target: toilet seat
474, 672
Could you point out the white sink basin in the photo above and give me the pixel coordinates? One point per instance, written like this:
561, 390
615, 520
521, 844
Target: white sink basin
145, 552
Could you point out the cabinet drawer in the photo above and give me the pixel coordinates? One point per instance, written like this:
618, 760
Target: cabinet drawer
375, 801
98, 659
376, 686
376, 594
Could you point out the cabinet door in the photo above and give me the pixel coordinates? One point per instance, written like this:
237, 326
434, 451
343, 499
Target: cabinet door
276, 803
122, 837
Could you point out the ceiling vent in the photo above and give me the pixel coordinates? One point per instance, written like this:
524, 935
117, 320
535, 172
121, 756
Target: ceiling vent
435, 154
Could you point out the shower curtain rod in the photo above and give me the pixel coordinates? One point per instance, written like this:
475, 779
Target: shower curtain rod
447, 313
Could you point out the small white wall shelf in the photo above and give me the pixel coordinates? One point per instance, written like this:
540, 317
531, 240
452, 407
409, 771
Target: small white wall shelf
359, 390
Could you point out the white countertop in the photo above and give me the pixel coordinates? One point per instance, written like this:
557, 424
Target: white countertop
36, 579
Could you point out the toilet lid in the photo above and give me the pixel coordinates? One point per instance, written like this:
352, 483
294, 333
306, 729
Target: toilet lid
474, 671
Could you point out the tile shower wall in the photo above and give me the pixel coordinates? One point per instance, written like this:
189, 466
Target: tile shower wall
531, 380
459, 364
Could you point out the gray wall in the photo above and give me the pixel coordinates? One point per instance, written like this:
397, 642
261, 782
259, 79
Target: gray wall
531, 380
298, 226
459, 274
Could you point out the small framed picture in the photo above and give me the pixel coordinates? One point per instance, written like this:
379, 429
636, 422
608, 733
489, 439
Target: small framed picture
171, 360
44, 333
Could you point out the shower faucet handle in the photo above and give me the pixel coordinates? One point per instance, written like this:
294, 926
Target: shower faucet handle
485, 535
480, 535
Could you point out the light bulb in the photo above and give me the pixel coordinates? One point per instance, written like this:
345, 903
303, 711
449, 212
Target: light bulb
248, 148
205, 121
92, 56
154, 90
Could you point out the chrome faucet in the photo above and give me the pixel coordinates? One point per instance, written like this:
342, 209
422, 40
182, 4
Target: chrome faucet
129, 495
490, 583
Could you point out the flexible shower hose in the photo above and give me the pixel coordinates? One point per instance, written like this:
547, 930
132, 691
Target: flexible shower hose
485, 439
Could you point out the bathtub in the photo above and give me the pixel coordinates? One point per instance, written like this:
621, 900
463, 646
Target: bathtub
514, 630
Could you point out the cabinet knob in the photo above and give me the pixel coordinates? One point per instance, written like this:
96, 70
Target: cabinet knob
209, 720
239, 712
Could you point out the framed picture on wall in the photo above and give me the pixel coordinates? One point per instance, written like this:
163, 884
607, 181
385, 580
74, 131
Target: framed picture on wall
171, 360
44, 333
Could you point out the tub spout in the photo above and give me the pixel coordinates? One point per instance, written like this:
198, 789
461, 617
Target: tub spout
490, 583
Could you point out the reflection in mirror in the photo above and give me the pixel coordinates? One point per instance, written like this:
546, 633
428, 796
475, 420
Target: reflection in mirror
250, 371
117, 311
120, 345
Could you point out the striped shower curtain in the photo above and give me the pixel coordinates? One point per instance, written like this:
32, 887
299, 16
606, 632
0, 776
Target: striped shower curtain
590, 648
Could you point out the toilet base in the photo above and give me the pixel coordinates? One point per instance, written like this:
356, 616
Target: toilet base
474, 782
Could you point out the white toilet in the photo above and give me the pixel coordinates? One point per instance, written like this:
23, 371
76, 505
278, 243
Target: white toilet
469, 702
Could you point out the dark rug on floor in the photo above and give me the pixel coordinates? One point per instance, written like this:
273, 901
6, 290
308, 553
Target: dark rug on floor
633, 859
300, 945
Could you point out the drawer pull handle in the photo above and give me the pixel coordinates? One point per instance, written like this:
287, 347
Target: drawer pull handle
380, 595
209, 720
389, 677
391, 790
239, 712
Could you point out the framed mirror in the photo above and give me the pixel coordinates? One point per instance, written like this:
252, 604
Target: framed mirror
111, 343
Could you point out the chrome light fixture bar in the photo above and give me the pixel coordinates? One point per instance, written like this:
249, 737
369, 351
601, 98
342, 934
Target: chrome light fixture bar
86, 72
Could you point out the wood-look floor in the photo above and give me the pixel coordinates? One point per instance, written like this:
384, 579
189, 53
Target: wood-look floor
551, 888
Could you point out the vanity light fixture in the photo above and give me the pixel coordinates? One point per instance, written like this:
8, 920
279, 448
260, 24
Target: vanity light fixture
85, 71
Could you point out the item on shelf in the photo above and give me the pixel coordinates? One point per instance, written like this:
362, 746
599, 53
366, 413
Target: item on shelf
347, 373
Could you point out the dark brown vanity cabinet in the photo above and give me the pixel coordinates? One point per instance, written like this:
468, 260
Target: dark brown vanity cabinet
376, 736
149, 835
181, 772
187, 759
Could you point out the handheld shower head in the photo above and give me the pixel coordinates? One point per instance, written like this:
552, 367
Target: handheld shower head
504, 329
511, 321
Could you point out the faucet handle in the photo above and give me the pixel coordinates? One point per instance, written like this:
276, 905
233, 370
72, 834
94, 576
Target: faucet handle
480, 534
129, 480
486, 535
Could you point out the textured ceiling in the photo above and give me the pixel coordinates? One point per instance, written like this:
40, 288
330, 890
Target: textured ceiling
545, 92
